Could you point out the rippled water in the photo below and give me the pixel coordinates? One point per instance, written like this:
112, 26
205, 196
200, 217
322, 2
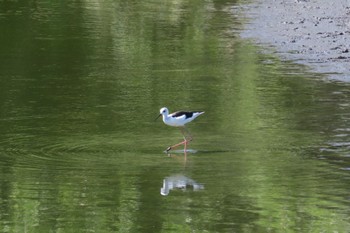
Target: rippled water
81, 84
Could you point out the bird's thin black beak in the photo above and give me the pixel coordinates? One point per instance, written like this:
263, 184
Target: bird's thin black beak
157, 117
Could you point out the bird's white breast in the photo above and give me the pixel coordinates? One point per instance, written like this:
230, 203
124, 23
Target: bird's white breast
175, 121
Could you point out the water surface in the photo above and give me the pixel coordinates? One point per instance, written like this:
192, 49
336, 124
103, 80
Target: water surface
81, 84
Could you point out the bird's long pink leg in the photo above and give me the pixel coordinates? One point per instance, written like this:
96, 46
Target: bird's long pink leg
176, 145
185, 130
185, 141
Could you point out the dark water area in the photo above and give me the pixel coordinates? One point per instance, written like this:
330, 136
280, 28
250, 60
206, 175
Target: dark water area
81, 83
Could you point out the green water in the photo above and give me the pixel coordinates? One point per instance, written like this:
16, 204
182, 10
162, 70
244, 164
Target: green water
81, 83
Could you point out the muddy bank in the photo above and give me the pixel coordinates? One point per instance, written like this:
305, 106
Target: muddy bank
311, 32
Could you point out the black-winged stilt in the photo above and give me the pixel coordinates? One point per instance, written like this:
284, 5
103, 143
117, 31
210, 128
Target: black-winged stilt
179, 119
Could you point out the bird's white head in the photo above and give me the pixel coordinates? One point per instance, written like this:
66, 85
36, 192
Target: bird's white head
164, 111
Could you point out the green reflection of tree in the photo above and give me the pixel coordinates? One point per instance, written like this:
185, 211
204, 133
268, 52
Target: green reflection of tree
76, 73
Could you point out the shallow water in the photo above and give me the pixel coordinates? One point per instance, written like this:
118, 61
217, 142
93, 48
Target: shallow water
81, 84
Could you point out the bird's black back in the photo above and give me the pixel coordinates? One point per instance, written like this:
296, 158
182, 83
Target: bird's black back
187, 114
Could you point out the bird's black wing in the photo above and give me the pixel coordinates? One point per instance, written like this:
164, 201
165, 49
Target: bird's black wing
182, 113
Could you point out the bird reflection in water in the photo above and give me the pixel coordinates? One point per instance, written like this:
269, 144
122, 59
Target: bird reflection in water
179, 182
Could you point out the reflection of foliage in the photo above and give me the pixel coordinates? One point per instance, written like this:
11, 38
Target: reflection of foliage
75, 76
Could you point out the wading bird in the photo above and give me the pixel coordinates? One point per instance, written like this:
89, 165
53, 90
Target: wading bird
179, 119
